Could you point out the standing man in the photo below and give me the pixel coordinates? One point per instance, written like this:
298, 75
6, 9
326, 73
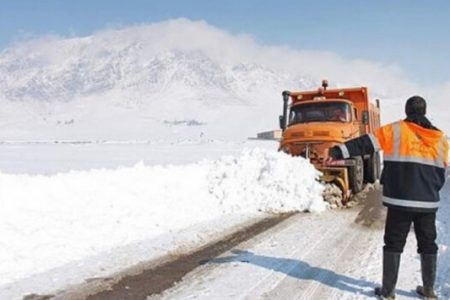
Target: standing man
415, 158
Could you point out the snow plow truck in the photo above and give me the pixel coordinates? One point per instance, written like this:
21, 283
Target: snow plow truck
314, 121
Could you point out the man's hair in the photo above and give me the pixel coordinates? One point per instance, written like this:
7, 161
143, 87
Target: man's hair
416, 105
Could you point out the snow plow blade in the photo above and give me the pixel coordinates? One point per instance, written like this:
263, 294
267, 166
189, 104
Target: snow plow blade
337, 176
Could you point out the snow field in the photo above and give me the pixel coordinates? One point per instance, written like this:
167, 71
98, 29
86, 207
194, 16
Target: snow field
49, 221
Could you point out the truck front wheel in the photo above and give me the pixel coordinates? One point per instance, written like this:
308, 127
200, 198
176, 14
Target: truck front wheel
356, 175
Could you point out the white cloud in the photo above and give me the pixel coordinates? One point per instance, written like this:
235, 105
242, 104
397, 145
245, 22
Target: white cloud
222, 47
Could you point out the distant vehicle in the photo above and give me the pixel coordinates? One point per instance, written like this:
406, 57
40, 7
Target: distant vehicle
314, 121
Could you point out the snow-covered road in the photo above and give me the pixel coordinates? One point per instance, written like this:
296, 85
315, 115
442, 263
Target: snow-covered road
326, 256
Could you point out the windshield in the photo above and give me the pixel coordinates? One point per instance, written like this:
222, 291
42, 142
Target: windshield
320, 112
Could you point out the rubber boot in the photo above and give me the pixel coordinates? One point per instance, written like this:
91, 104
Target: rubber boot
428, 266
391, 264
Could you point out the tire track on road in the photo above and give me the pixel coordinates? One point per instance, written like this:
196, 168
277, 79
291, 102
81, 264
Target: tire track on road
303, 254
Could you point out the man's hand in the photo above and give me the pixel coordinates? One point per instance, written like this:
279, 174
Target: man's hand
334, 153
328, 160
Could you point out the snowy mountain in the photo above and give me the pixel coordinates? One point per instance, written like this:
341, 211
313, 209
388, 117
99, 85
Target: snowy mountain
92, 82
178, 79
124, 70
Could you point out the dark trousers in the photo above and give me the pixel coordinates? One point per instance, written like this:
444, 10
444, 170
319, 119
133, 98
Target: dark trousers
398, 224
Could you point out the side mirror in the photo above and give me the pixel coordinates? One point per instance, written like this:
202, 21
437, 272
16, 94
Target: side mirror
282, 123
365, 117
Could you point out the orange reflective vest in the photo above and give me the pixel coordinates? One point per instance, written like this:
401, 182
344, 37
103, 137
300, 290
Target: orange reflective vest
415, 159
408, 142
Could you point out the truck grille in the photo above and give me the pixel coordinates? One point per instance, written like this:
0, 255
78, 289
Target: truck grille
298, 134
321, 133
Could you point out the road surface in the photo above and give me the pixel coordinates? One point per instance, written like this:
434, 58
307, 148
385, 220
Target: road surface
334, 255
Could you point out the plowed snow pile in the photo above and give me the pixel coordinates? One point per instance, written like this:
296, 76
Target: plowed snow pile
48, 221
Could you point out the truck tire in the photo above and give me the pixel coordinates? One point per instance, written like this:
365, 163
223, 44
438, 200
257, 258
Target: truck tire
356, 175
372, 168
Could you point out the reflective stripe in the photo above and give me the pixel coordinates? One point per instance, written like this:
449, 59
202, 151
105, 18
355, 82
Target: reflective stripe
419, 160
396, 129
344, 150
410, 203
374, 141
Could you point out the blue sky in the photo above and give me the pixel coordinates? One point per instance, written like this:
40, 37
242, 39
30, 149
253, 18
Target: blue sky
410, 33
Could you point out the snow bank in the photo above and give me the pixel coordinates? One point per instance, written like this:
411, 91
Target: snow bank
265, 181
48, 221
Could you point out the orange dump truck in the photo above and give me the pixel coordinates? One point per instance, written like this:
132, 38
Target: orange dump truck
314, 121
